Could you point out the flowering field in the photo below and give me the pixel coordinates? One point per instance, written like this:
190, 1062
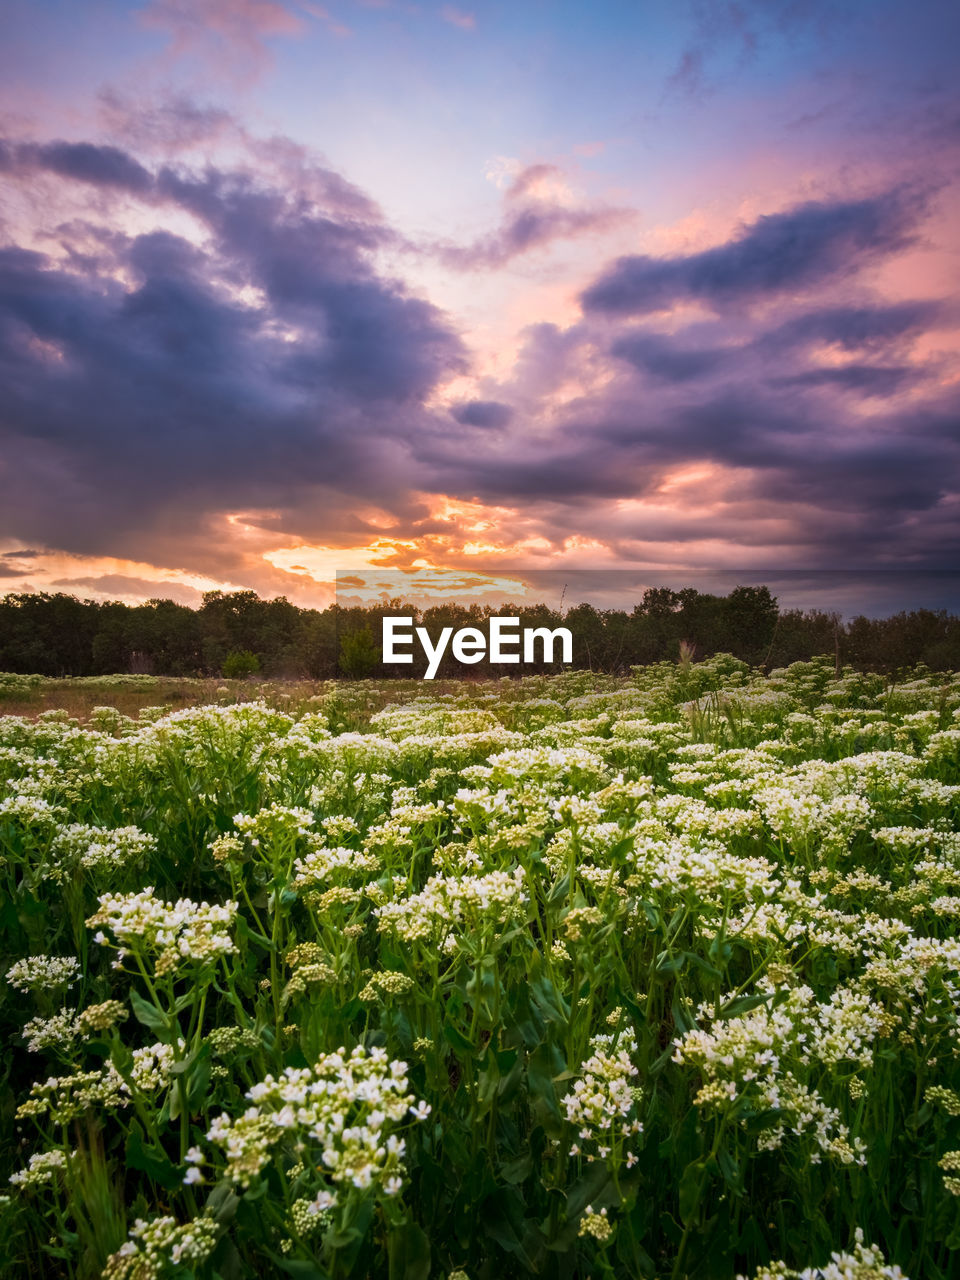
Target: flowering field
570, 977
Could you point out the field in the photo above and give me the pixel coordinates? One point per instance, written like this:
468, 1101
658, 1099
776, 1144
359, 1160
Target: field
566, 977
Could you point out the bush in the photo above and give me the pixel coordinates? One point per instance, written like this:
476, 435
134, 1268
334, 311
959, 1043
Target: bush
358, 654
240, 663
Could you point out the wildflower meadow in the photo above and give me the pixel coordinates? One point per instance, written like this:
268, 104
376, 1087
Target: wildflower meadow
572, 976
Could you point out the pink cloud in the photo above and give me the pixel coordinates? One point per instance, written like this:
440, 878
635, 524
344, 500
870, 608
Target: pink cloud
218, 29
458, 18
588, 149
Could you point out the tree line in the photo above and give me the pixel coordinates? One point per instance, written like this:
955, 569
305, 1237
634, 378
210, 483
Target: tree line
238, 633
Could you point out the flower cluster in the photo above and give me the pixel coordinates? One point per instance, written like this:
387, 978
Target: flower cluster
171, 932
321, 865
42, 1168
160, 1247
602, 1100
38, 973
865, 1262
344, 1108
446, 904
757, 1062
98, 849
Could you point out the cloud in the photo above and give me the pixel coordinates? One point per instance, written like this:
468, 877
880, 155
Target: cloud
458, 17
115, 585
230, 35
854, 327
277, 167
538, 210
269, 366
727, 35
101, 166
662, 358
229, 371
868, 379
802, 434
795, 250
696, 352
688, 76
171, 125
482, 413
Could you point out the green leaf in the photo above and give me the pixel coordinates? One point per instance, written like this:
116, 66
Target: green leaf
409, 1253
222, 1202
457, 1039
517, 1170
152, 1160
198, 1080
121, 1057
589, 1189
548, 1000
503, 1220
730, 1168
692, 1184
509, 1085
743, 1004
764, 1120
543, 1066
681, 1015
148, 1014
559, 892
699, 963
301, 1268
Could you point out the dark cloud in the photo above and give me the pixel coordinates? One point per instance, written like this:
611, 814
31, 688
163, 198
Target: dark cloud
688, 74
853, 328
482, 413
210, 193
692, 354
780, 252
659, 356
84, 162
868, 379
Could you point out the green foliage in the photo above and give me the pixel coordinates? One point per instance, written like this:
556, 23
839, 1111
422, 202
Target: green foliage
240, 663
359, 654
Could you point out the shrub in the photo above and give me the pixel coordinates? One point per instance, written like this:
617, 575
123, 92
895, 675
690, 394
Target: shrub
240, 663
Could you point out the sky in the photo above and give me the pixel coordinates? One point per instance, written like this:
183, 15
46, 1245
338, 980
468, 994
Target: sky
289, 289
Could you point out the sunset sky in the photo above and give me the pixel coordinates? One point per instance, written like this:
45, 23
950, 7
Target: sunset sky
293, 288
